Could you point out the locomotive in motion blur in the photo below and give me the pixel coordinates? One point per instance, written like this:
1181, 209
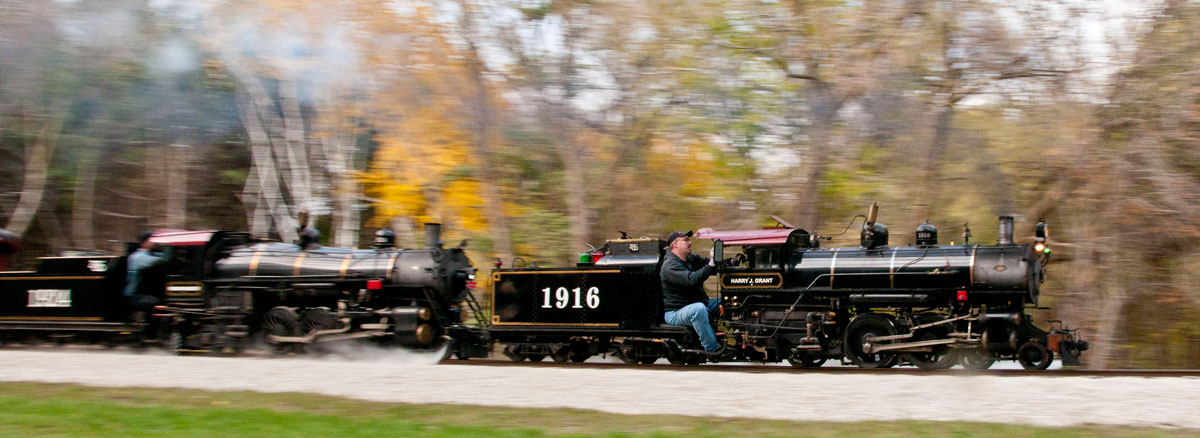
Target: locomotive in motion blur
783, 298
222, 291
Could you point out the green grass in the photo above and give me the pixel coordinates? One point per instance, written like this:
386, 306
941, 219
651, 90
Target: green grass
42, 410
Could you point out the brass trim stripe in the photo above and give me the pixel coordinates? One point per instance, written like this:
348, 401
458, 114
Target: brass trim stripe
558, 324
254, 262
345, 265
93, 257
972, 281
391, 264
59, 277
299, 262
51, 318
892, 270
560, 272
832, 265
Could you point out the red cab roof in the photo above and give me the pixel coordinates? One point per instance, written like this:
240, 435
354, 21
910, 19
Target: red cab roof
765, 236
181, 237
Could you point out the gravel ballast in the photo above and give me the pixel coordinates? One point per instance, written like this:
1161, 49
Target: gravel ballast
1172, 402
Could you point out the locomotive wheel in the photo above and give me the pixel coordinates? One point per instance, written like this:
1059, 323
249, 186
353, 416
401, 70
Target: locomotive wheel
536, 357
511, 353
174, 343
940, 358
862, 330
628, 354
561, 354
1034, 356
280, 321
975, 359
579, 352
318, 318
806, 359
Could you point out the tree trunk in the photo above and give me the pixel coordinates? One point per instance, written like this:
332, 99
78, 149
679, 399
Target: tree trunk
37, 166
493, 205
576, 191
294, 154
405, 237
346, 218
808, 206
179, 156
941, 136
824, 105
338, 154
56, 239
1111, 309
83, 208
255, 109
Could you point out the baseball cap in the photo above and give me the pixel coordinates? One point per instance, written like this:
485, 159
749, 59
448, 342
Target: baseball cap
677, 234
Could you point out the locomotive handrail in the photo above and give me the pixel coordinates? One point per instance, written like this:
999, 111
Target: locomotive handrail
350, 276
787, 313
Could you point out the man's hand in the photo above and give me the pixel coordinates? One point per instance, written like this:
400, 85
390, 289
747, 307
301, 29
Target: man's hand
711, 252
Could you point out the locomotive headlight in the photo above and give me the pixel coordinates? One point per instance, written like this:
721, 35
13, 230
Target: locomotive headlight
1042, 232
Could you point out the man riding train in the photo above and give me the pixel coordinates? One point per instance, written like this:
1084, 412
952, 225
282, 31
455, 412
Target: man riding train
684, 301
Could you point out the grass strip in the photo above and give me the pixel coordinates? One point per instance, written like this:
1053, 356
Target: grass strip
53, 410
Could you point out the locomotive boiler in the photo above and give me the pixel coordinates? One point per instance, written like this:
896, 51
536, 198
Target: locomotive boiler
877, 305
305, 296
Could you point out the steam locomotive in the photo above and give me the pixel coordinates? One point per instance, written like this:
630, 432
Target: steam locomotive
783, 298
222, 291
786, 298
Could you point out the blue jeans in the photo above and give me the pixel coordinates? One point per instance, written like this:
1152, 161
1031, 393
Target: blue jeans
696, 315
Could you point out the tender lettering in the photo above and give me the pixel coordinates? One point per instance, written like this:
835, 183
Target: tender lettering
49, 298
562, 297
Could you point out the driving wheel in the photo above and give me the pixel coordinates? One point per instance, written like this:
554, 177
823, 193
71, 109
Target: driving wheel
939, 357
280, 321
862, 331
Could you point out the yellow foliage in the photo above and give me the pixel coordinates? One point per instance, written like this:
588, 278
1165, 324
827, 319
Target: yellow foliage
687, 163
417, 172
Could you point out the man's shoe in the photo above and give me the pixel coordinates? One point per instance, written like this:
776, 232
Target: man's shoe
721, 354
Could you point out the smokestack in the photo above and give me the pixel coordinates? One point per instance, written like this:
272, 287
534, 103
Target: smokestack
1006, 231
433, 234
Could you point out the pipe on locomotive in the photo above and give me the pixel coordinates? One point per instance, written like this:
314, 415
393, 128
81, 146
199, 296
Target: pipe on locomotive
433, 235
1006, 231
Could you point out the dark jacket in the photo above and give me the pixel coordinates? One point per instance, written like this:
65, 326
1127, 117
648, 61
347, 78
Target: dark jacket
683, 281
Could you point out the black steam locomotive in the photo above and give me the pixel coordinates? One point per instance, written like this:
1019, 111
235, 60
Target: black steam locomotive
222, 291
785, 298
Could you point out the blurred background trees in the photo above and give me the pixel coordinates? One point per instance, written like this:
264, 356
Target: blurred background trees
535, 128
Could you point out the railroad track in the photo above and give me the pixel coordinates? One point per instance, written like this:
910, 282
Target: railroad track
768, 368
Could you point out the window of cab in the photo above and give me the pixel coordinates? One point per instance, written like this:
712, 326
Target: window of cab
766, 257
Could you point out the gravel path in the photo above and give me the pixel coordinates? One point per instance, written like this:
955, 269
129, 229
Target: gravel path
405, 377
